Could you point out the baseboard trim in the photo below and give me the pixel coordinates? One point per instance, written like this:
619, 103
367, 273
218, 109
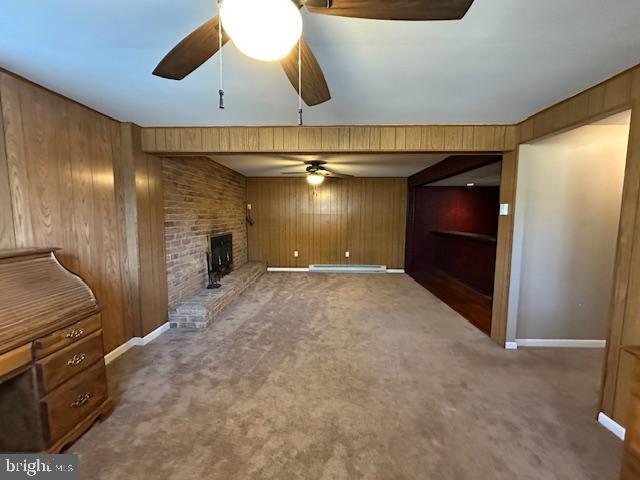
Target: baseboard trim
287, 269
115, 353
395, 270
135, 342
560, 343
153, 335
611, 425
510, 345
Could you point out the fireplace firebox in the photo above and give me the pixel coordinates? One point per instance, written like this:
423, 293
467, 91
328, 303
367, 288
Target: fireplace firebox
220, 258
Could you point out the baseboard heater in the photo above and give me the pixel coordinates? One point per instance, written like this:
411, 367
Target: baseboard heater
349, 268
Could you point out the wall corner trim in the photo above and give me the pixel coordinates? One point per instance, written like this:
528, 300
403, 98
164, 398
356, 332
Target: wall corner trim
135, 342
559, 343
611, 425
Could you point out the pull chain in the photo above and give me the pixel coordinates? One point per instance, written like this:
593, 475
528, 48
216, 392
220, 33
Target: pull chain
300, 81
221, 91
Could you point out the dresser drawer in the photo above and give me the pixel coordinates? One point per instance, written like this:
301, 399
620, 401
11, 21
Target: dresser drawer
64, 364
66, 406
66, 336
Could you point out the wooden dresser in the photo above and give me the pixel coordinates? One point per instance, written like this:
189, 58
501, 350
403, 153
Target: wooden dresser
631, 453
53, 384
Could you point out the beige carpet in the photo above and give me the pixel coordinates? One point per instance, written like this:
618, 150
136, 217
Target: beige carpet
336, 376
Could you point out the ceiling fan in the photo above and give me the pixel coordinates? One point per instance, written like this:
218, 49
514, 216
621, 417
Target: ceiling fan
316, 172
204, 42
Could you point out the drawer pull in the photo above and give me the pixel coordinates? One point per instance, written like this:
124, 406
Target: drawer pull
76, 359
75, 333
81, 400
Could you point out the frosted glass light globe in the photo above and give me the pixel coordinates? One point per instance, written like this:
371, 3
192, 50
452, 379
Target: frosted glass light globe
315, 178
265, 30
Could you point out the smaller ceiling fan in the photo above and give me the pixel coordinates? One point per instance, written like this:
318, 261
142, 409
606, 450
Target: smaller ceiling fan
316, 172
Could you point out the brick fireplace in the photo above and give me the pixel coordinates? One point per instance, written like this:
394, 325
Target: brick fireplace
201, 199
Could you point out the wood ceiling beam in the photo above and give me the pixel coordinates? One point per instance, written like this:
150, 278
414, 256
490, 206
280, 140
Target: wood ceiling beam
344, 139
450, 166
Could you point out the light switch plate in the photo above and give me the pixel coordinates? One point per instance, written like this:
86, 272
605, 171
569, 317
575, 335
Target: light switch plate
248, 206
346, 254
295, 253
504, 209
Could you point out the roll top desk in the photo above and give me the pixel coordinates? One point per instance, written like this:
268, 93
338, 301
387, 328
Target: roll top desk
53, 382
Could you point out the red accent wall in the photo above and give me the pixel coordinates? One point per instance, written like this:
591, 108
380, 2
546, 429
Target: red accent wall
463, 209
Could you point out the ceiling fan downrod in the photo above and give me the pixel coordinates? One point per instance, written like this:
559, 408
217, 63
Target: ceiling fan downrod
221, 90
300, 81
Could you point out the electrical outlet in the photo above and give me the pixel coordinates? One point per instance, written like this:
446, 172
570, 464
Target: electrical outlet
346, 254
248, 206
295, 253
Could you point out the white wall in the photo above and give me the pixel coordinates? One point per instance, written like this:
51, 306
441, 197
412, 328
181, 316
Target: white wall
566, 221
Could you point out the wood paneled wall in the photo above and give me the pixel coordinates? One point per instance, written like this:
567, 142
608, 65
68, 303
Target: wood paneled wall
364, 216
502, 278
433, 138
59, 165
141, 180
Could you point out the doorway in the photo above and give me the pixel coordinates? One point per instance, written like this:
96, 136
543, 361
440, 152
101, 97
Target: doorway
451, 237
567, 210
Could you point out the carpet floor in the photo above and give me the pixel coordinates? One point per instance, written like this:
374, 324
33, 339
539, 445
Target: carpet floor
347, 376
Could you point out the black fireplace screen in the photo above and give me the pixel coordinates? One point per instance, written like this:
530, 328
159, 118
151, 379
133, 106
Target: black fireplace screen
222, 254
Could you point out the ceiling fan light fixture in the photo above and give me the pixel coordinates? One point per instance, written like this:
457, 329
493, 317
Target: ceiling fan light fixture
315, 179
266, 30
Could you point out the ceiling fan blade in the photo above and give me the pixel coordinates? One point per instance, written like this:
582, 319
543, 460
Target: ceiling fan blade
314, 85
335, 174
195, 49
293, 173
396, 9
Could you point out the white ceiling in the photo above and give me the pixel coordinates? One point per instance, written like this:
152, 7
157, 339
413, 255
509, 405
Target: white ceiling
358, 165
504, 61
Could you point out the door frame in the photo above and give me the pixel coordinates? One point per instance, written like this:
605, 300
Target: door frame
623, 304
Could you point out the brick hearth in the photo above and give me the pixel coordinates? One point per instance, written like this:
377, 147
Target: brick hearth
203, 308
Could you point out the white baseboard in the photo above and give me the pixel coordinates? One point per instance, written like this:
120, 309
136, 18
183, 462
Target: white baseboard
395, 270
153, 335
113, 354
611, 425
135, 342
510, 345
564, 343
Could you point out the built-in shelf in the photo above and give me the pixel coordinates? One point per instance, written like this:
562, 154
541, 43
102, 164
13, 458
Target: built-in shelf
475, 236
